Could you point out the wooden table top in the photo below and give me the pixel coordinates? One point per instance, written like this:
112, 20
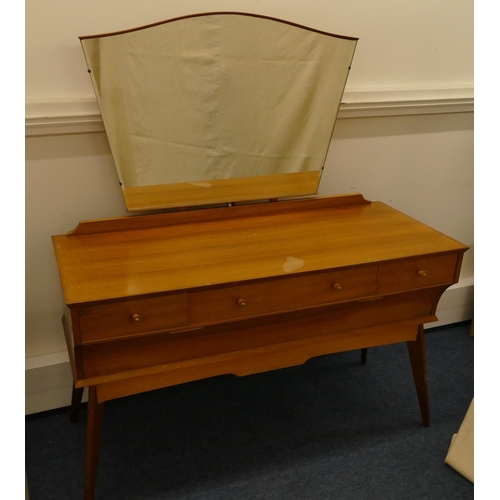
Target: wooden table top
202, 250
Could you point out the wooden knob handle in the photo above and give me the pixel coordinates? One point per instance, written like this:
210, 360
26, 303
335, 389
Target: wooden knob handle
242, 302
136, 318
337, 286
422, 273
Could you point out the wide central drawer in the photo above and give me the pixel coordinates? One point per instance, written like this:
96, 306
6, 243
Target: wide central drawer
133, 317
281, 294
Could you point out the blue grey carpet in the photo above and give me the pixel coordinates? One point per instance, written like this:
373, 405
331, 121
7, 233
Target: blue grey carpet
329, 429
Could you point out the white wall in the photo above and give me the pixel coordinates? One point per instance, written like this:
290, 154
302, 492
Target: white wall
405, 134
410, 44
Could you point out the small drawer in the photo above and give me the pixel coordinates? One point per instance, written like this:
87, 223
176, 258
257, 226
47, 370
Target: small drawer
132, 317
281, 294
416, 273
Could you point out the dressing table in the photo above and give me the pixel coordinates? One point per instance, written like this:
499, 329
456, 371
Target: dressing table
219, 125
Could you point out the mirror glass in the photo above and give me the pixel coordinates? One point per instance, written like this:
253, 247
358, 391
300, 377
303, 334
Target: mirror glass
218, 108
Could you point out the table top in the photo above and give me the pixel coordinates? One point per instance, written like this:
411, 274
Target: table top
134, 256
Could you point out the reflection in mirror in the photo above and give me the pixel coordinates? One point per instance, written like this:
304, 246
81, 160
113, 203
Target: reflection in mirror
218, 107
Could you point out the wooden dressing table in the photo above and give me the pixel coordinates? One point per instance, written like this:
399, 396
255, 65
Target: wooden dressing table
166, 298
160, 300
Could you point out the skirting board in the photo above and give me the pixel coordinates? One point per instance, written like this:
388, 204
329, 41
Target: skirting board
48, 379
456, 304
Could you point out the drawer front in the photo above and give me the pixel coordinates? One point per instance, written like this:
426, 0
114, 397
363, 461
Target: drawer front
133, 317
416, 273
283, 294
197, 348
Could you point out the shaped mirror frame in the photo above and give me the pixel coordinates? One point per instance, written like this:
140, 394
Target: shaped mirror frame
218, 108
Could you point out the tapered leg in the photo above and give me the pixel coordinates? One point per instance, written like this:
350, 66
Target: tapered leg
364, 354
76, 399
417, 357
94, 424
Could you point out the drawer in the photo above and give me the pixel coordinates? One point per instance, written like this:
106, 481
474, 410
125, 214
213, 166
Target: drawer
213, 345
132, 317
416, 273
281, 294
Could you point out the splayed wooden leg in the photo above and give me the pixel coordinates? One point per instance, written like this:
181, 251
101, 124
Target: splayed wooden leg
76, 400
416, 350
364, 355
94, 424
